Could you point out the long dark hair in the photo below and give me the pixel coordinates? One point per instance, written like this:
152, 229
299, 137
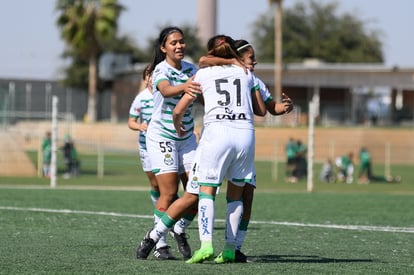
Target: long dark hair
221, 46
146, 72
158, 55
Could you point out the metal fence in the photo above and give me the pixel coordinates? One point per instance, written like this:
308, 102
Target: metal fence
28, 100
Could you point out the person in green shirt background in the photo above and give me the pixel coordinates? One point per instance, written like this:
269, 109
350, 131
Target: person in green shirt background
70, 156
301, 170
364, 174
291, 150
47, 154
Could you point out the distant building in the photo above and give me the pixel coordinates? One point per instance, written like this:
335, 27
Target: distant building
340, 89
345, 93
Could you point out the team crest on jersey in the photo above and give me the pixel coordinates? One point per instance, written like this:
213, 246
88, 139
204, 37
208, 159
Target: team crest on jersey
194, 182
168, 160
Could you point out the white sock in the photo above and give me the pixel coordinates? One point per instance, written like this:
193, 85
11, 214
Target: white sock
233, 217
181, 225
241, 234
206, 213
156, 233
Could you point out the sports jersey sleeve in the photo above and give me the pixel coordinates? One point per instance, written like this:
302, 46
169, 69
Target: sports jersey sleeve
159, 75
264, 91
135, 110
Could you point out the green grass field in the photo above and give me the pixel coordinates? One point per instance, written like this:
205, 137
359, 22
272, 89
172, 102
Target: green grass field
92, 225
124, 170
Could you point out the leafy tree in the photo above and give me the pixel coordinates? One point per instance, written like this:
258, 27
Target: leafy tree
126, 44
312, 30
194, 48
76, 73
85, 25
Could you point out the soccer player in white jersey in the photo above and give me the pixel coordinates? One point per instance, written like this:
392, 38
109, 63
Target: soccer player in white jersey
226, 148
171, 155
247, 58
140, 113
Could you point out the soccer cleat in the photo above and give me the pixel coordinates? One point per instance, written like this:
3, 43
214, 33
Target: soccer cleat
227, 256
240, 257
202, 255
182, 244
163, 253
145, 247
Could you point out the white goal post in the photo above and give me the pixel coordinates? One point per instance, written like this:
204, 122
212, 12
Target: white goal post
311, 136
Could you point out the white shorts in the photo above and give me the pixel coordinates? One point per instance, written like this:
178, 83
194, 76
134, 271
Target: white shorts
168, 156
223, 152
145, 160
253, 182
193, 188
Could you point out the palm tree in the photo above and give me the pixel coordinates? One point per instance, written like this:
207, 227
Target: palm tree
85, 25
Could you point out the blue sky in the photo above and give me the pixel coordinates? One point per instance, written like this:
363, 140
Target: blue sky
30, 44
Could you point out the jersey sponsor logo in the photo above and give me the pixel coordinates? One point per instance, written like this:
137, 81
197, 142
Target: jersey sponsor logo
229, 115
241, 116
211, 175
168, 160
180, 76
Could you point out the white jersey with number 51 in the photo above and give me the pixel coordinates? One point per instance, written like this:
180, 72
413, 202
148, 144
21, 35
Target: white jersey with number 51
228, 98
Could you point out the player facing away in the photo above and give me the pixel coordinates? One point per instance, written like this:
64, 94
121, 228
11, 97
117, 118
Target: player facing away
246, 58
226, 149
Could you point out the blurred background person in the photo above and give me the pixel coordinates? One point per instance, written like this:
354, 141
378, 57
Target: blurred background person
365, 172
300, 171
70, 157
345, 168
327, 172
291, 150
47, 154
